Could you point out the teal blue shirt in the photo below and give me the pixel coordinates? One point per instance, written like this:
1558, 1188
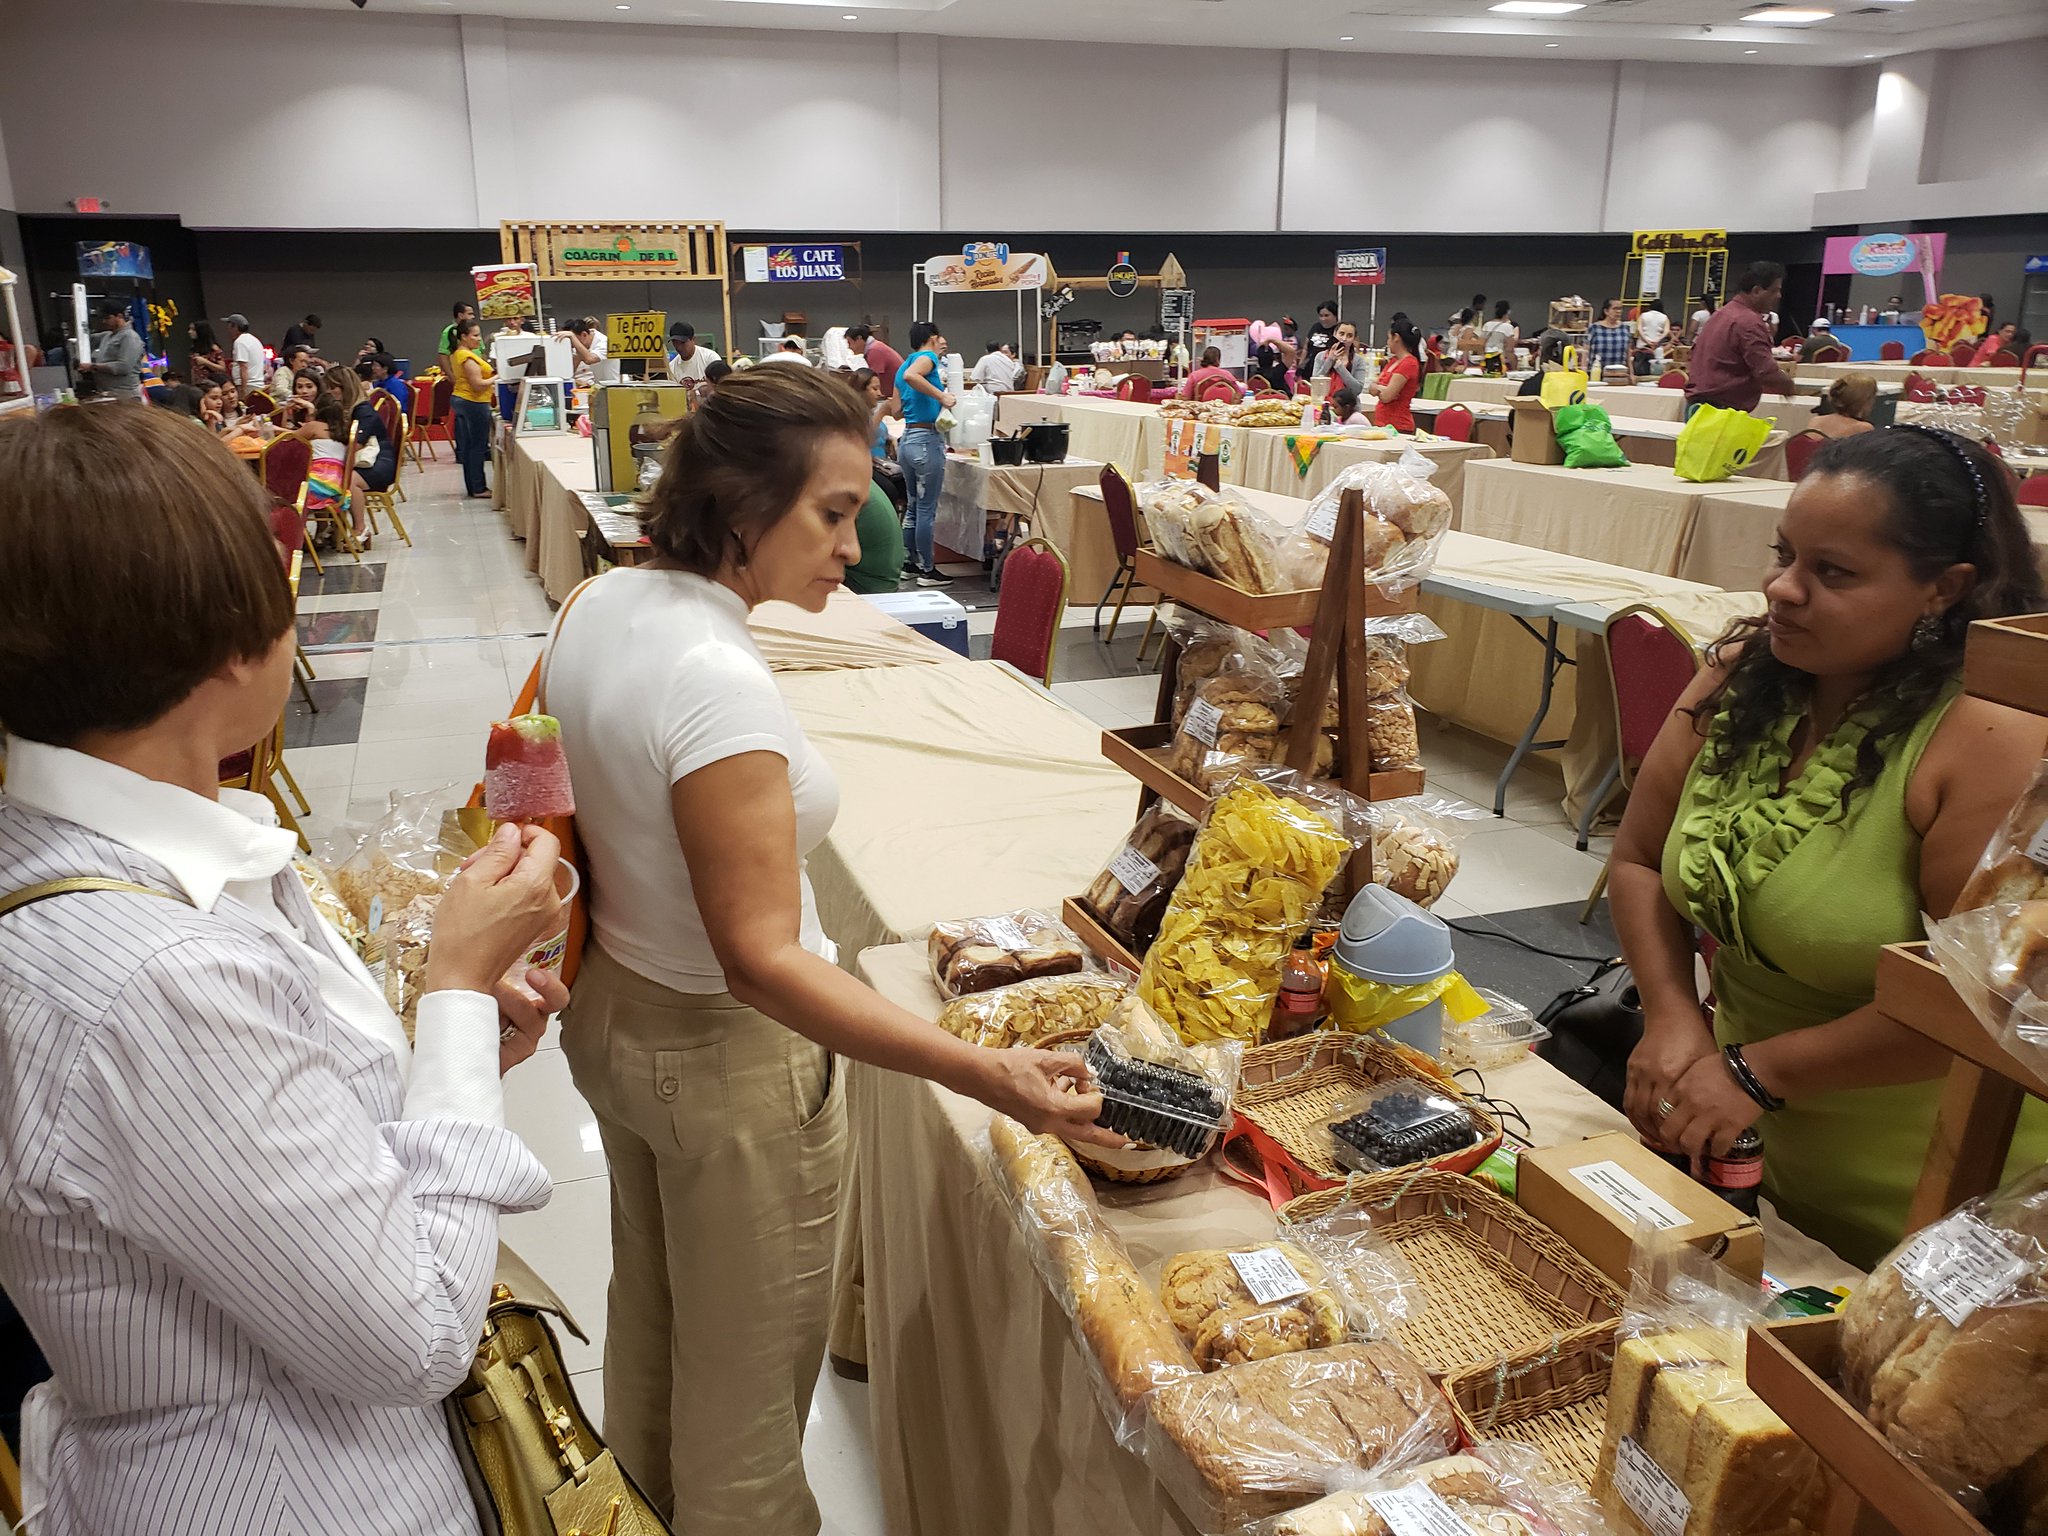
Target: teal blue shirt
919, 408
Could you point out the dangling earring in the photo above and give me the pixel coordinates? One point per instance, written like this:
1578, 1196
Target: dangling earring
1926, 633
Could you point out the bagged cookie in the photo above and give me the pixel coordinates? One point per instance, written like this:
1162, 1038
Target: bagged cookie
382, 867
1234, 1305
1233, 718
1497, 1487
976, 953
1405, 519
1129, 896
1027, 1012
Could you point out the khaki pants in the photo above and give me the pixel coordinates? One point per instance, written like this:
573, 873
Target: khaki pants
725, 1133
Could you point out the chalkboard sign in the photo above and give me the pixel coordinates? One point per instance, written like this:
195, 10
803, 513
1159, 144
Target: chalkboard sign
1176, 308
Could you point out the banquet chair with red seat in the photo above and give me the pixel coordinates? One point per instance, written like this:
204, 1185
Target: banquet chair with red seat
1800, 448
1930, 357
1674, 378
2034, 354
1134, 386
2002, 359
1917, 388
1122, 509
387, 501
1837, 353
283, 466
1029, 610
1650, 658
2033, 491
1454, 422
258, 403
1892, 352
1219, 389
1961, 353
392, 414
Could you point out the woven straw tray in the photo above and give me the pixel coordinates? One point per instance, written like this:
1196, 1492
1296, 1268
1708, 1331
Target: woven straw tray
1553, 1397
1497, 1280
1291, 1090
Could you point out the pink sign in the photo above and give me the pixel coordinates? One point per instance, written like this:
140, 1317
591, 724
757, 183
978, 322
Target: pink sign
1888, 255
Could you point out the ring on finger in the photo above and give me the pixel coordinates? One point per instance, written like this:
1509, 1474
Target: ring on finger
508, 1033
1664, 1108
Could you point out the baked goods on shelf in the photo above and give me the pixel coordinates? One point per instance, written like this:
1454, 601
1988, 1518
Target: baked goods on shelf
976, 953
1685, 1433
1251, 1440
1209, 1294
1216, 532
1943, 1350
1027, 1012
1413, 861
1130, 895
1494, 1489
1405, 519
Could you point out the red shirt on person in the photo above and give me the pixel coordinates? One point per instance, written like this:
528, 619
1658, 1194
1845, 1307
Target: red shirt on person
1395, 412
884, 362
1731, 363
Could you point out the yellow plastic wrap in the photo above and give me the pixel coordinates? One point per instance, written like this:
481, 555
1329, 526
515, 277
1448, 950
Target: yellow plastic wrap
1359, 1004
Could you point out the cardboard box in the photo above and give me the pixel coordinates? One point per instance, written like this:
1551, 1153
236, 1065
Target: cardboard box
1589, 1193
1533, 434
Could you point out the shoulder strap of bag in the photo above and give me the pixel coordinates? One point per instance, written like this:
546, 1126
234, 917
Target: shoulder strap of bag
535, 692
14, 901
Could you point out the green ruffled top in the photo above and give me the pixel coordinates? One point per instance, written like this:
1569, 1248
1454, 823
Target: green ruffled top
1801, 896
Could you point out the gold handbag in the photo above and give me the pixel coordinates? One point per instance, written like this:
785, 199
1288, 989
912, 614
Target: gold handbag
534, 1464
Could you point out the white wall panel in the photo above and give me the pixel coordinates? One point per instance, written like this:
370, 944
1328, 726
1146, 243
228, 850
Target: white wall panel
1726, 147
1036, 136
219, 114
1991, 116
1451, 145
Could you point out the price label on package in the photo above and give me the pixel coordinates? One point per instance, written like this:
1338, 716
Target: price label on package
2037, 850
1202, 720
1133, 871
1958, 1265
1417, 1511
1321, 522
1629, 1195
1268, 1276
1657, 1501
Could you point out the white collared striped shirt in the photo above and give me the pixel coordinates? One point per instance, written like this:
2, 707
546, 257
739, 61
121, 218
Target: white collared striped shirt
255, 1275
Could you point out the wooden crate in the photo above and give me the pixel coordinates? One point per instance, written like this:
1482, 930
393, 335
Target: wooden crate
2007, 661
1234, 605
1136, 749
1792, 1366
1100, 941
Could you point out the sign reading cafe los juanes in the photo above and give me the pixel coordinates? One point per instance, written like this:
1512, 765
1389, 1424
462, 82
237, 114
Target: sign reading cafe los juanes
793, 263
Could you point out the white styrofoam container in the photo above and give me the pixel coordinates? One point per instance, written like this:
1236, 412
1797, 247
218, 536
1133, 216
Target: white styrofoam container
932, 614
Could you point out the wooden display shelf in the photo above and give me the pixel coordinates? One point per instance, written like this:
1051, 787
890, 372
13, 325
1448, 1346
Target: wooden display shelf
2007, 662
1135, 749
1792, 1366
1103, 944
1247, 610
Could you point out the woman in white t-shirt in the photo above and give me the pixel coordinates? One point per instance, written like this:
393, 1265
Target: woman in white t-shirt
708, 1006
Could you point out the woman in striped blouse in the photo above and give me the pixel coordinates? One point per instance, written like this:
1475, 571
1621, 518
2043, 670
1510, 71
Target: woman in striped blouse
251, 1229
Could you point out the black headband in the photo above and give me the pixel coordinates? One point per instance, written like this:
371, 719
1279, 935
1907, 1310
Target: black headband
1954, 444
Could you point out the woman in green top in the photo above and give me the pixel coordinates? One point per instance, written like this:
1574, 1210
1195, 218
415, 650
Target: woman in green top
880, 525
1823, 783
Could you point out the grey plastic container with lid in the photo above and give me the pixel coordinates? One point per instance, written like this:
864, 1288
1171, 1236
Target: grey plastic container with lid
1387, 938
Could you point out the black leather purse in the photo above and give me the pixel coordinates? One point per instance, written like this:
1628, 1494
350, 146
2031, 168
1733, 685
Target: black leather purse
1593, 1029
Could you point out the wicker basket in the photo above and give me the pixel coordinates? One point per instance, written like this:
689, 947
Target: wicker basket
1497, 1279
1291, 1089
1553, 1397
1073, 1040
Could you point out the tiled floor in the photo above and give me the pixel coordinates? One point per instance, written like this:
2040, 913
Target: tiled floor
418, 649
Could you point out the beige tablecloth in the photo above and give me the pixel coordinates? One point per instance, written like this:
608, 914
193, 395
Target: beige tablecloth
1729, 544
1260, 459
850, 635
983, 1416
541, 478
1472, 387
1639, 515
1489, 420
1641, 402
1126, 433
977, 499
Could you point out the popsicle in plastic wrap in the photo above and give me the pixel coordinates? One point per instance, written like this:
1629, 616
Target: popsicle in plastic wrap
526, 771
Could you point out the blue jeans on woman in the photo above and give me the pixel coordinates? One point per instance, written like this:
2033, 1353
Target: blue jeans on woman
472, 443
922, 453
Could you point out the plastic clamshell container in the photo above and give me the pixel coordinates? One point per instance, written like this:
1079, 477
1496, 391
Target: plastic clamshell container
1409, 1119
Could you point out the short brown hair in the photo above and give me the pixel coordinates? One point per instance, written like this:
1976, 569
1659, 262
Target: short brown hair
136, 561
739, 461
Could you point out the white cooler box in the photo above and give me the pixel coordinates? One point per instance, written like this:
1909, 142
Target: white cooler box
932, 614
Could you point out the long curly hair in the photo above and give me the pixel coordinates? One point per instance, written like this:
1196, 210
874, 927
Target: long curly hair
1938, 513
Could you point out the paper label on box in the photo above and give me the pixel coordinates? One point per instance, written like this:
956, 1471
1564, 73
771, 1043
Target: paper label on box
1268, 1276
1321, 522
1134, 872
1617, 1187
1958, 1265
1417, 1511
1005, 932
1202, 720
2037, 850
1656, 1501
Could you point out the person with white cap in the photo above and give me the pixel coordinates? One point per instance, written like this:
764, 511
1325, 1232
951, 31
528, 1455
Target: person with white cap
1822, 340
251, 367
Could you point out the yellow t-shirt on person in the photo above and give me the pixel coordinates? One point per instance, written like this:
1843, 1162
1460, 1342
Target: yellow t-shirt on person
481, 394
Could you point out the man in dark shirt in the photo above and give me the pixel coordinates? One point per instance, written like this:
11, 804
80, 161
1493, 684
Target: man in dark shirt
1731, 363
1319, 339
305, 334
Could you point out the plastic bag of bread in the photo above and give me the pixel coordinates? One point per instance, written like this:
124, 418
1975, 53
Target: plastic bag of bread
1166, 506
1266, 850
974, 954
1126, 1339
1216, 532
1231, 1305
1208, 647
402, 945
1943, 1350
1232, 719
1406, 517
1994, 946
1415, 843
1242, 1443
1688, 1449
1498, 1487
388, 864
1129, 896
1027, 1012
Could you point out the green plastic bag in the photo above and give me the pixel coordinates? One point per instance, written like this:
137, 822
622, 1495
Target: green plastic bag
1716, 443
1437, 386
1586, 435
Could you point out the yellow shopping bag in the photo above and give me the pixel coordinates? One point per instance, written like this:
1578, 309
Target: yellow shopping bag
1564, 386
1716, 443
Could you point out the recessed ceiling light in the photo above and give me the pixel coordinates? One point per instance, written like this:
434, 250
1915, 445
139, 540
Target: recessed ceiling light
1538, 7
1788, 15
1553, 45
1347, 39
1749, 50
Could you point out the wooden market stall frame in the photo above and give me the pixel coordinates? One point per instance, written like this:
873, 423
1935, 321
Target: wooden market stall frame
1170, 276
736, 263
700, 246
1793, 1365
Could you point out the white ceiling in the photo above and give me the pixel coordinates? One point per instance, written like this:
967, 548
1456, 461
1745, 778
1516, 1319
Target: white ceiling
1683, 31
